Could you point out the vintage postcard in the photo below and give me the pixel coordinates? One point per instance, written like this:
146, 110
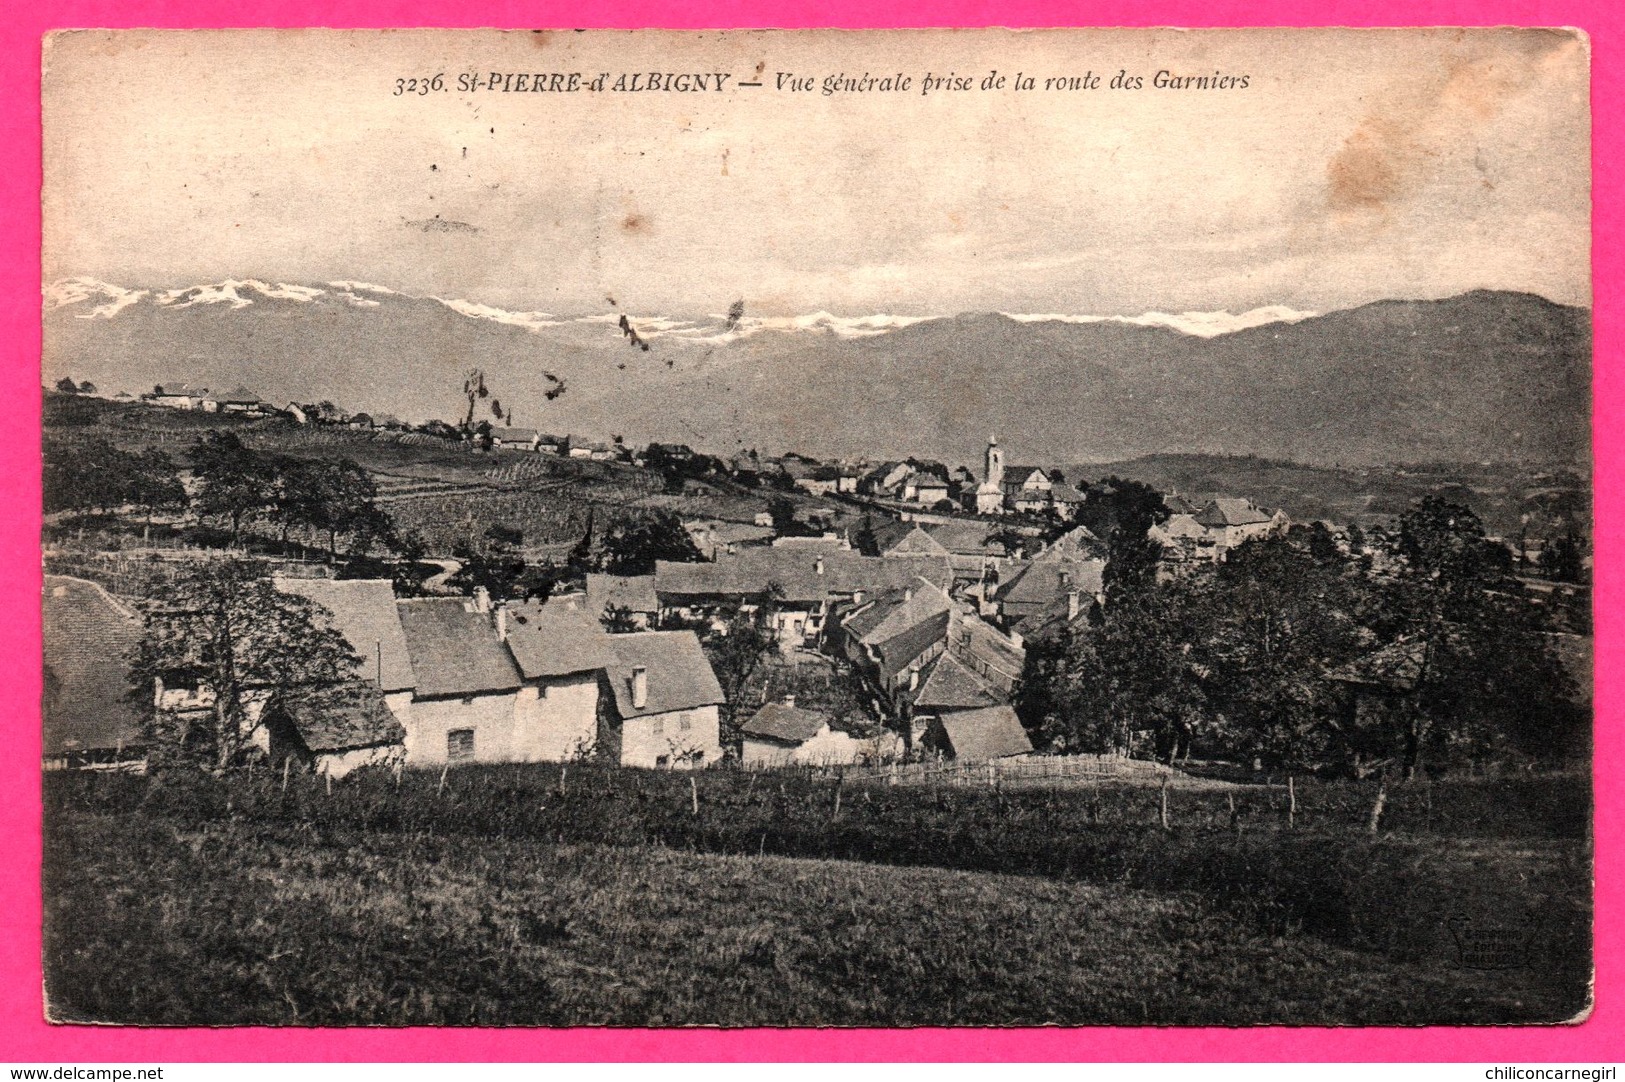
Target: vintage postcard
817, 528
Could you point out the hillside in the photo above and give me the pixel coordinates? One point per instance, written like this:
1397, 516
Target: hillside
1485, 375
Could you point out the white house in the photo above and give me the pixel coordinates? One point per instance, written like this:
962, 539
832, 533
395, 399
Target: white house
783, 734
661, 710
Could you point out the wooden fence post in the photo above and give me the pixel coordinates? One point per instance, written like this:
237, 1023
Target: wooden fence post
694, 792
1291, 804
1377, 806
1165, 802
441, 788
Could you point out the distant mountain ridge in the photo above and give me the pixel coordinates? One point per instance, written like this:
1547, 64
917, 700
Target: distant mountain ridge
1485, 375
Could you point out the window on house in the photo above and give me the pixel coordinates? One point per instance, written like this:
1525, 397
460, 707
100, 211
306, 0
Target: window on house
459, 745
658, 725
684, 721
662, 760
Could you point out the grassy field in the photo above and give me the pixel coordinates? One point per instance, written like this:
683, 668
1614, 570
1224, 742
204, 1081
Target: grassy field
507, 897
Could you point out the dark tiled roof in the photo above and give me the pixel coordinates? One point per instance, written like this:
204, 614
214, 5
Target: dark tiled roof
556, 639
455, 651
1230, 512
795, 573
680, 677
992, 732
916, 542
1048, 577
784, 723
337, 718
88, 638
899, 651
896, 611
635, 593
948, 685
364, 613
514, 435
963, 537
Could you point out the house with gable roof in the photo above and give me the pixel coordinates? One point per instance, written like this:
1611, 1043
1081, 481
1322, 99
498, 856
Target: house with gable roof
89, 636
783, 734
660, 704
978, 736
1231, 521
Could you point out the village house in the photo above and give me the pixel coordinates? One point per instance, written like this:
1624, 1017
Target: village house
88, 723
892, 637
1027, 489
332, 729
357, 733
885, 480
630, 598
978, 736
1027, 590
924, 488
561, 651
660, 709
464, 706
796, 588
294, 412
241, 400
515, 439
967, 544
1230, 522
551, 445
783, 734
178, 394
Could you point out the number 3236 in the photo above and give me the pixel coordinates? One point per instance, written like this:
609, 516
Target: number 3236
422, 85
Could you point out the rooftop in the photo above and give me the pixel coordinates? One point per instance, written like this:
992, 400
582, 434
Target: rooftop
364, 612
88, 638
556, 639
785, 723
680, 677
454, 650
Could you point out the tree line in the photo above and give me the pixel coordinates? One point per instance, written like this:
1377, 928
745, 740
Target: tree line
1307, 653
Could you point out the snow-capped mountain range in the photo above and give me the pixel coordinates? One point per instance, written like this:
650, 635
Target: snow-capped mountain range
1486, 375
102, 300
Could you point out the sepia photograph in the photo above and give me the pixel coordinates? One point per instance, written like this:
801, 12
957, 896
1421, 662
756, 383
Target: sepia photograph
816, 528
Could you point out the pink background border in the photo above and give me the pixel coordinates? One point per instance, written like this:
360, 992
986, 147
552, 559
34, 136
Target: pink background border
24, 1037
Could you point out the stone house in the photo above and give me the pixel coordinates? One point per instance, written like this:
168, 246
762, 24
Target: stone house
660, 706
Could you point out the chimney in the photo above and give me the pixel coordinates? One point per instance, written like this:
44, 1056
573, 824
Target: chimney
640, 687
818, 565
1072, 605
482, 599
789, 700
858, 596
908, 593
913, 679
502, 623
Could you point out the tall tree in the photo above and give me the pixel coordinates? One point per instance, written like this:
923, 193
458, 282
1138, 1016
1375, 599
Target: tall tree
223, 626
234, 481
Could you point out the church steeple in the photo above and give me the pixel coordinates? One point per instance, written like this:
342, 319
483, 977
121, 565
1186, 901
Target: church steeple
995, 463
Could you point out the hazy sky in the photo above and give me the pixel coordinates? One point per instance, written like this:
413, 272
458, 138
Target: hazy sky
1353, 166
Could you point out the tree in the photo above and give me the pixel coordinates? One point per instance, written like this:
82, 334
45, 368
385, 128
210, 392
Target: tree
736, 654
95, 475
1488, 677
225, 628
67, 386
1277, 616
473, 390
233, 481
1120, 513
635, 543
87, 387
